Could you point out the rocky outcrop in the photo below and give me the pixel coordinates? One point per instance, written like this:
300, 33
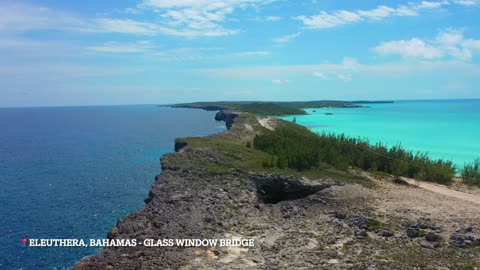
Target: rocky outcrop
321, 222
179, 145
228, 118
465, 237
179, 206
277, 188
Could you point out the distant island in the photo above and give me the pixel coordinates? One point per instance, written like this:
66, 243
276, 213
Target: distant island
308, 201
372, 102
273, 108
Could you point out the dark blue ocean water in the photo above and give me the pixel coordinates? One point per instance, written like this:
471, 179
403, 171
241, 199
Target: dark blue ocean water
71, 172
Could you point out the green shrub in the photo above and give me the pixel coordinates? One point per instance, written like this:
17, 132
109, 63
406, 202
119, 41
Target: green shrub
471, 173
298, 148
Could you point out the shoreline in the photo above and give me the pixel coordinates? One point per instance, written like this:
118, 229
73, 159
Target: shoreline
227, 118
212, 188
377, 129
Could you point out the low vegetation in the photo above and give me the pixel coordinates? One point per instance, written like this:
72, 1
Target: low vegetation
273, 108
258, 108
293, 146
269, 109
471, 173
235, 152
296, 149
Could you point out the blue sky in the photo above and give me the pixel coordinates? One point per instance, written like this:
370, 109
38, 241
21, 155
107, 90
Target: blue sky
168, 51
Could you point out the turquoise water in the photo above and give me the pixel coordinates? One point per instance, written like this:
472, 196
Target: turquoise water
448, 129
71, 172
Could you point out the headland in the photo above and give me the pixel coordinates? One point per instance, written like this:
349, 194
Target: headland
231, 185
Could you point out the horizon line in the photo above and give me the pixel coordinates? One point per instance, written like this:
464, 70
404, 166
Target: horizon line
213, 101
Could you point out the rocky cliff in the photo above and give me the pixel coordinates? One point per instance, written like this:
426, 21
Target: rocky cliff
215, 187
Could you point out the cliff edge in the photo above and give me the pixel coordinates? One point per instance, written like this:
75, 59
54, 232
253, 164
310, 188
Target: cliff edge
216, 187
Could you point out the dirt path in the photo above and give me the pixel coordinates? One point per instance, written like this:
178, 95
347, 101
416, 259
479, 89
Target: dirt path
448, 209
264, 123
436, 188
445, 191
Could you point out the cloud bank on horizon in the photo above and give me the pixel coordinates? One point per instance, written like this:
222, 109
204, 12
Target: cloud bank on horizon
166, 51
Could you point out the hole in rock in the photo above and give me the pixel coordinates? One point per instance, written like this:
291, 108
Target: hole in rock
273, 189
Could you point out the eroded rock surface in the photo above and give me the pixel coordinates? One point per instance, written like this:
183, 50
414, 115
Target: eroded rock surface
296, 222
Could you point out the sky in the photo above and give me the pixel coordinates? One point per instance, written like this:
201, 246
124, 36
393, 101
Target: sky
62, 53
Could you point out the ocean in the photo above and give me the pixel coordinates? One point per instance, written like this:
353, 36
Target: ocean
448, 129
71, 172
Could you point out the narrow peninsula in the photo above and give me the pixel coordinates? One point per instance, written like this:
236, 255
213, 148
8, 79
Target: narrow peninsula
255, 181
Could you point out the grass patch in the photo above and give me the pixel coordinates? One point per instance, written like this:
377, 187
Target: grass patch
374, 224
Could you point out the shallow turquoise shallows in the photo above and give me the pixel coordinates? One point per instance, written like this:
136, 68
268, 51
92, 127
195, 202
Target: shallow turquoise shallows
448, 129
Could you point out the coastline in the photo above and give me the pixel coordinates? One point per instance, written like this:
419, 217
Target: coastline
208, 189
442, 129
129, 224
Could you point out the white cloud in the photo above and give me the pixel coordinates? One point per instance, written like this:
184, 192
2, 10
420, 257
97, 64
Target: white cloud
25, 17
195, 17
125, 26
116, 47
472, 44
320, 75
349, 63
200, 54
132, 11
272, 18
340, 71
406, 11
179, 18
328, 20
286, 38
344, 77
189, 18
129, 26
185, 54
467, 2
428, 4
279, 82
377, 13
448, 43
341, 17
402, 69
346, 66
415, 47
450, 37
